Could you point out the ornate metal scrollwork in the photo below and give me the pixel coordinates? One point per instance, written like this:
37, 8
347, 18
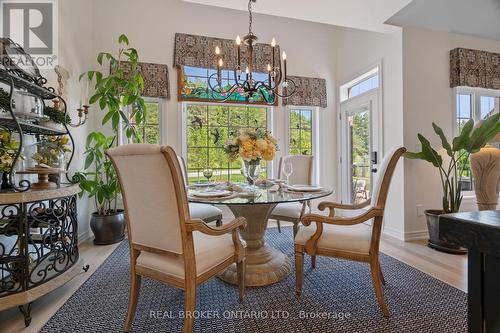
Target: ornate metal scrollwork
39, 241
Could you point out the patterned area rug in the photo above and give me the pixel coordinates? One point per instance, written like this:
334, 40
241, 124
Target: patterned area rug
337, 297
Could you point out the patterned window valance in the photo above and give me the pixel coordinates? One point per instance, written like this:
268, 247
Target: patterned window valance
155, 77
199, 51
474, 68
310, 92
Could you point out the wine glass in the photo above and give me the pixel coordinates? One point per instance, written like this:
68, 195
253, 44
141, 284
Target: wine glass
208, 173
287, 170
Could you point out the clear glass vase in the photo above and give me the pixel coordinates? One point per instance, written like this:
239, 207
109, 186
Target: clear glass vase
251, 170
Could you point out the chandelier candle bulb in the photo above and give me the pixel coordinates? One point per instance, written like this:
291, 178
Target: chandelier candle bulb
284, 63
238, 43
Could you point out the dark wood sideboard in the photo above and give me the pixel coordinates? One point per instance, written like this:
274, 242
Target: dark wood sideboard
479, 232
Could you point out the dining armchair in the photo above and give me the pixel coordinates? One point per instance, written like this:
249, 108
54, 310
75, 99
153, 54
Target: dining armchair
302, 174
205, 212
166, 244
348, 237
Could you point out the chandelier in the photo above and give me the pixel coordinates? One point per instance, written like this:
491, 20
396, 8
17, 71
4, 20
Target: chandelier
244, 82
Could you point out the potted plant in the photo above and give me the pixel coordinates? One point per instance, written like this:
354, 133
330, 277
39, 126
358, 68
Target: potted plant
114, 92
451, 168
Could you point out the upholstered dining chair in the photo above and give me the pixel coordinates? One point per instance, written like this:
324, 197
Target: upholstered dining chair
348, 237
166, 244
302, 174
205, 212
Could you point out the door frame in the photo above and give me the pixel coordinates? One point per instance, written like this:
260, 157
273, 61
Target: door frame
359, 100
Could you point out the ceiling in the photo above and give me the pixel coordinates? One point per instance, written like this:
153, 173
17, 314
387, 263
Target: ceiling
480, 18
360, 14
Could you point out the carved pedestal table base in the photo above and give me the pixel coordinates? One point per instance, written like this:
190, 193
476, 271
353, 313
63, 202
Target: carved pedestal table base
264, 265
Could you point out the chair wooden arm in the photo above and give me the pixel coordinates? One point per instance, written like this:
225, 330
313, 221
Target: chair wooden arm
306, 220
201, 226
332, 205
233, 228
369, 214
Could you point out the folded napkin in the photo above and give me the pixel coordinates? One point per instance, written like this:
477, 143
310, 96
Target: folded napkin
274, 188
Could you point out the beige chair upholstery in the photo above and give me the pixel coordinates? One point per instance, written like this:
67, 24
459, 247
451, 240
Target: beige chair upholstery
349, 237
166, 243
205, 212
302, 175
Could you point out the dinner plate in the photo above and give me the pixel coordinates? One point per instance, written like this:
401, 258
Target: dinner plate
212, 194
304, 188
203, 184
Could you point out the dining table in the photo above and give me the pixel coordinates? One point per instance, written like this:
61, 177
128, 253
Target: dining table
265, 264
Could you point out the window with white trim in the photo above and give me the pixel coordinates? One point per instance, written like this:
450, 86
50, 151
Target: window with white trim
300, 131
208, 126
476, 104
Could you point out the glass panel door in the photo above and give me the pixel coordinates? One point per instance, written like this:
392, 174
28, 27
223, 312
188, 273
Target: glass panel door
358, 157
360, 148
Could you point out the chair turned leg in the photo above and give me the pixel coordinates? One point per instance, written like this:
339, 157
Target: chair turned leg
295, 228
189, 307
135, 285
279, 226
313, 262
241, 278
375, 271
381, 274
299, 268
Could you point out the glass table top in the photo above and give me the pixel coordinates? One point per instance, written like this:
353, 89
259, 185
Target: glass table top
262, 195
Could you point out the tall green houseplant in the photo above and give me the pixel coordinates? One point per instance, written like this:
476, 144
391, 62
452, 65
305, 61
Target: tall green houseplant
115, 91
469, 141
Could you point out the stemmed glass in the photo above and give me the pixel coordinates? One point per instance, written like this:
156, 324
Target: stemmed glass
208, 173
287, 170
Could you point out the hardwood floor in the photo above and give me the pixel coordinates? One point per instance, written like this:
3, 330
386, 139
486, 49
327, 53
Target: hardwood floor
448, 268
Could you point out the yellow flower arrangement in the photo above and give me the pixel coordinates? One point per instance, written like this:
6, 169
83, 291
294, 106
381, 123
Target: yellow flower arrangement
50, 150
252, 145
8, 149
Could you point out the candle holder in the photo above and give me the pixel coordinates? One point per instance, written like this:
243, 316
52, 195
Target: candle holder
83, 115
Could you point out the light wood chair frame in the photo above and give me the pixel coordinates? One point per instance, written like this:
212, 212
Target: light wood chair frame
216, 218
191, 279
375, 212
305, 204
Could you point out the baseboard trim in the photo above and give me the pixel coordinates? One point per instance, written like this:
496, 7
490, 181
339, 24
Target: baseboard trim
405, 236
84, 236
394, 233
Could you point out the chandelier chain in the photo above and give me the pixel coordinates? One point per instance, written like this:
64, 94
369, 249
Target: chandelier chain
250, 17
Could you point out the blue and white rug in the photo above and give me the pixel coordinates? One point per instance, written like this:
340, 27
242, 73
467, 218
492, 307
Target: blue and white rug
337, 297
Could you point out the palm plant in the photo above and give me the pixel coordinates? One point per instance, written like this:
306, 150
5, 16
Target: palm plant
469, 141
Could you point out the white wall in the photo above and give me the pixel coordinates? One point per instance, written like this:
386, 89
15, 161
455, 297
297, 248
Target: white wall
428, 98
356, 52
75, 54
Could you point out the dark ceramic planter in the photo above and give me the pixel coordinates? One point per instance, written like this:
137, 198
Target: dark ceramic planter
108, 229
432, 217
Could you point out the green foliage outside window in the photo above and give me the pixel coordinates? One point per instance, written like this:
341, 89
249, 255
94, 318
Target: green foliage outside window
208, 129
300, 132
